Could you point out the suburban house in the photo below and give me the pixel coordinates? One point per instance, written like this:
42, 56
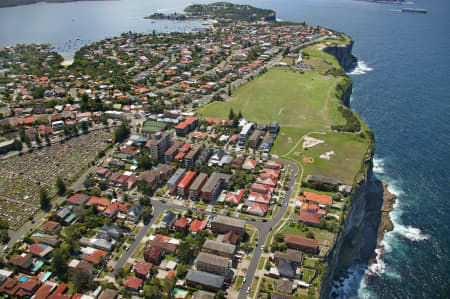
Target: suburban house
223, 224
302, 243
209, 281
219, 248
212, 263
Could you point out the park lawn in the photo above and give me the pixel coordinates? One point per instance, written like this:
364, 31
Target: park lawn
262, 262
323, 236
287, 139
350, 149
295, 100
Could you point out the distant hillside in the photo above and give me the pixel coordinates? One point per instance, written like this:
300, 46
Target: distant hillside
10, 3
232, 12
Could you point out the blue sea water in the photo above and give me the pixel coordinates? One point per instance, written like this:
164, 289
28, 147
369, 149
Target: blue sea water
401, 90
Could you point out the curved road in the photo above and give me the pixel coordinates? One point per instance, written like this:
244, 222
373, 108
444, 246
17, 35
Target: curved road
263, 228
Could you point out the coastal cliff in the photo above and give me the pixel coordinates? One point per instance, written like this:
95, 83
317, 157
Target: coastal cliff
366, 218
343, 53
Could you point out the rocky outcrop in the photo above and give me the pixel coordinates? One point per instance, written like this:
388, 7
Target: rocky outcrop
343, 54
386, 224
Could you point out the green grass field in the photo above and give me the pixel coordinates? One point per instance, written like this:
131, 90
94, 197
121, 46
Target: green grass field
302, 104
349, 151
304, 101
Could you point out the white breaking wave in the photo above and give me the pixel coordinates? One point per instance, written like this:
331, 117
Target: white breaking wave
378, 267
378, 165
406, 231
361, 68
352, 284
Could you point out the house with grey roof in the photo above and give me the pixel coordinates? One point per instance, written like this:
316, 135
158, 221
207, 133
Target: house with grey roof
209, 281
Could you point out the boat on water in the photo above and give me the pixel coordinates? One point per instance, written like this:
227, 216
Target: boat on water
416, 10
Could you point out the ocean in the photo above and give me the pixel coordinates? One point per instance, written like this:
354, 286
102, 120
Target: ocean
401, 90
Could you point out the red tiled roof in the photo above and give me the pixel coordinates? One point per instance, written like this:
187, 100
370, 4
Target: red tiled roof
309, 217
181, 223
171, 273
111, 208
96, 256
230, 237
186, 147
187, 179
142, 268
302, 241
104, 202
259, 197
36, 248
43, 291
198, 225
51, 226
76, 198
133, 283
318, 198
234, 197
258, 208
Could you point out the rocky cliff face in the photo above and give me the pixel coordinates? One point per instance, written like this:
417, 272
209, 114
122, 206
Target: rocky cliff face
358, 237
343, 54
367, 217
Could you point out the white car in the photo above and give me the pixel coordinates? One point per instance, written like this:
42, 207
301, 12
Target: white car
248, 290
262, 247
245, 279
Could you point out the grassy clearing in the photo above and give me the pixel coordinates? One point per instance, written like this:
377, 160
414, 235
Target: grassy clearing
295, 100
262, 262
309, 263
239, 282
349, 150
307, 275
323, 236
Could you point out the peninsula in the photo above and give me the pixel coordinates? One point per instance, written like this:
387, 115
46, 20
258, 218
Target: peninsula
224, 163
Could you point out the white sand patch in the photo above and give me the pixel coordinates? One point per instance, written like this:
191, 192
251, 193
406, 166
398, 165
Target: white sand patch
327, 155
310, 142
289, 140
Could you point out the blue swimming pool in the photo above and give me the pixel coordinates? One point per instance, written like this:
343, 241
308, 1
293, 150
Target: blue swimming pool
23, 278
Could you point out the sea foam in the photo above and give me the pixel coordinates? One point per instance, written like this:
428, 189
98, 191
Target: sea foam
361, 68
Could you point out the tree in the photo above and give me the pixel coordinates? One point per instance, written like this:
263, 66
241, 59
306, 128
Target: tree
151, 291
145, 162
146, 214
44, 199
60, 186
27, 141
81, 280
17, 145
4, 226
122, 133
231, 114
38, 140
59, 262
84, 127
